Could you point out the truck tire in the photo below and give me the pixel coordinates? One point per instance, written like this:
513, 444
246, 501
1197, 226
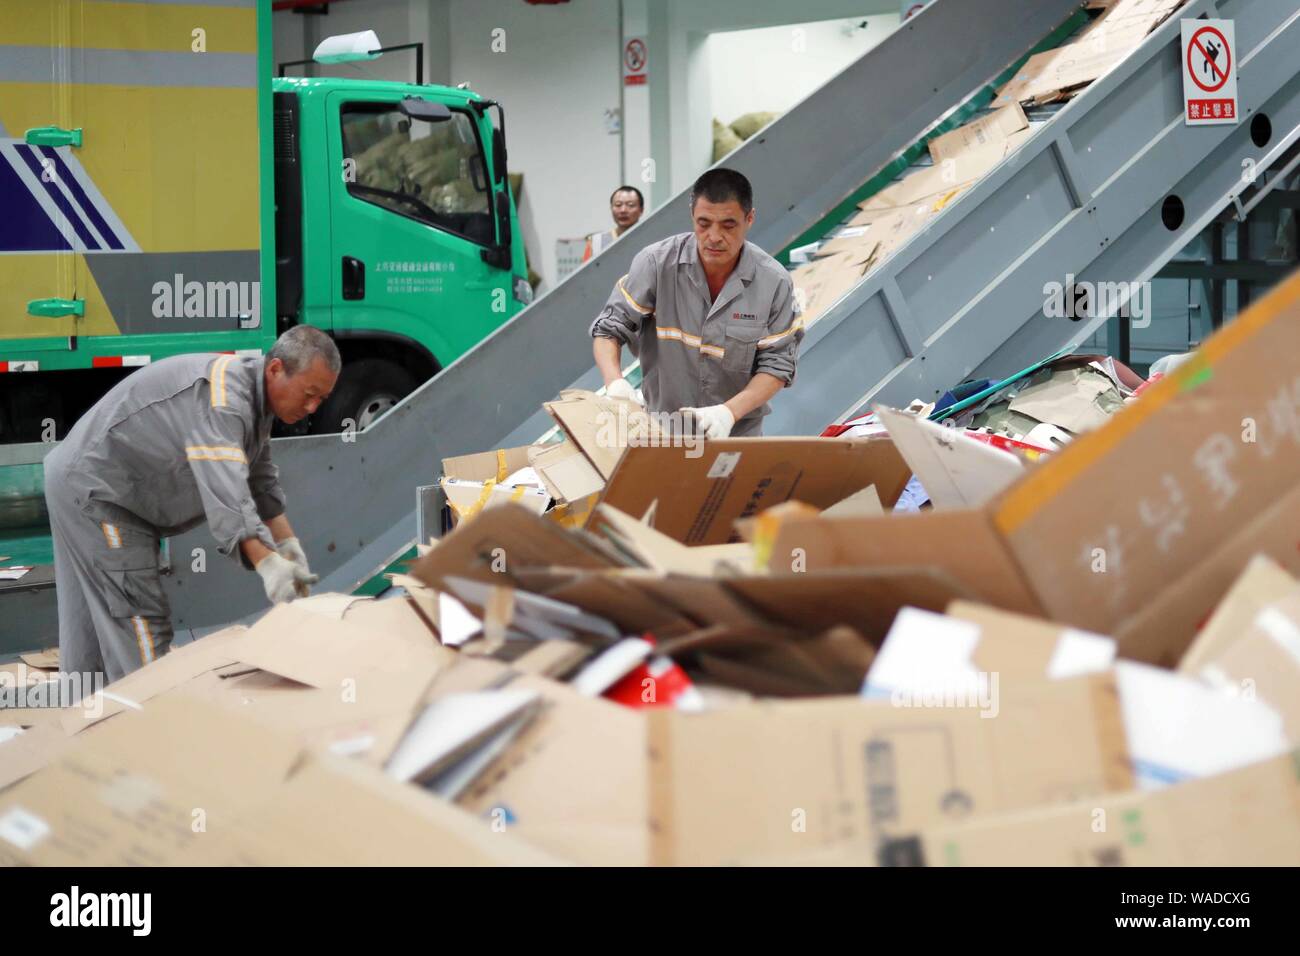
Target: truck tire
365, 390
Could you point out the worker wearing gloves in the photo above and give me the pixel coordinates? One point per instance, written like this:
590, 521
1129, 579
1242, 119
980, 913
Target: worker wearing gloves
181, 441
712, 318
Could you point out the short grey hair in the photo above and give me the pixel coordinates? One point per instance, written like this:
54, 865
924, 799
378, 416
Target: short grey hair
299, 347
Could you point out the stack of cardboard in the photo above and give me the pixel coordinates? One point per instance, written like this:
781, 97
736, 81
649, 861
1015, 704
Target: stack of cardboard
889, 218
742, 657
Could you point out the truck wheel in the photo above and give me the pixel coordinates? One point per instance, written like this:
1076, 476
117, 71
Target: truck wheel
364, 391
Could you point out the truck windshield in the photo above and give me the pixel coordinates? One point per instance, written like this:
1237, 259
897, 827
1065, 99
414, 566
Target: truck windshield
431, 172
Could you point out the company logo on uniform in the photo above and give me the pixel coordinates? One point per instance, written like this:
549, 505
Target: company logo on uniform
743, 315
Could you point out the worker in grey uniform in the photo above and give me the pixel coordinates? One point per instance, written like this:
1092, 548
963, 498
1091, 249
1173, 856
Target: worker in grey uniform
712, 317
625, 205
180, 441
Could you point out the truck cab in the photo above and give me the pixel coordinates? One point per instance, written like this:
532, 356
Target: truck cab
143, 218
394, 230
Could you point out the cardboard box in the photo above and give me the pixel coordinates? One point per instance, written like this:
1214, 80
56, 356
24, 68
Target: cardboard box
1243, 818
1138, 528
602, 427
697, 499
770, 778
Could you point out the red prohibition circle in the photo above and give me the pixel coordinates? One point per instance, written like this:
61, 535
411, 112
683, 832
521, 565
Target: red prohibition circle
1194, 44
634, 56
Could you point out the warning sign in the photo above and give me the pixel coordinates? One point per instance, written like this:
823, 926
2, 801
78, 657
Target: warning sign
1209, 73
634, 62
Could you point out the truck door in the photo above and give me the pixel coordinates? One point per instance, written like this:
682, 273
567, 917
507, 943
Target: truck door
42, 228
411, 214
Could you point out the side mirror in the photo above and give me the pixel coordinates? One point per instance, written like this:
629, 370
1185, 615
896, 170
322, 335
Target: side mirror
424, 110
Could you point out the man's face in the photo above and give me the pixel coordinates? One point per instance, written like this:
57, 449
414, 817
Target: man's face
720, 230
294, 397
626, 208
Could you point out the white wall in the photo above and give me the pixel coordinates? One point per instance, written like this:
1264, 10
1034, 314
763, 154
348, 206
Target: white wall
561, 71
773, 68
295, 37
557, 76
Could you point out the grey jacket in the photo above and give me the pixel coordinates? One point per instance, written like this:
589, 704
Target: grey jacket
697, 352
180, 441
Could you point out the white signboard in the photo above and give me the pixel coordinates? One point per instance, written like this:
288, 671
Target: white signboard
1209, 73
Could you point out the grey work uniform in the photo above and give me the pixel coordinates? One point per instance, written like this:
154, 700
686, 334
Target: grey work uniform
695, 351
180, 441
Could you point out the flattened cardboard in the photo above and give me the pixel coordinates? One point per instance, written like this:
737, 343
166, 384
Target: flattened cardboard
962, 544
1161, 632
319, 651
862, 598
337, 812
930, 652
575, 781
956, 470
126, 793
32, 750
725, 785
1021, 646
700, 498
510, 539
1263, 582
609, 597
176, 667
1180, 729
1246, 817
1264, 662
992, 128
47, 659
860, 504
657, 551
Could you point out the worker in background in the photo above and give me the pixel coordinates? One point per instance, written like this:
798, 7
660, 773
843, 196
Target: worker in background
626, 206
180, 441
712, 318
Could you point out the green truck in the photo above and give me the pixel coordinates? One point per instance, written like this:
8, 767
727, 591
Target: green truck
163, 194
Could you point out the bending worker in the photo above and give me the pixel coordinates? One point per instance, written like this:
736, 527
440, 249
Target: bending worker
712, 318
180, 441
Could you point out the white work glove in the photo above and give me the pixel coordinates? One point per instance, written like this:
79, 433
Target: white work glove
282, 578
291, 548
715, 421
622, 388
